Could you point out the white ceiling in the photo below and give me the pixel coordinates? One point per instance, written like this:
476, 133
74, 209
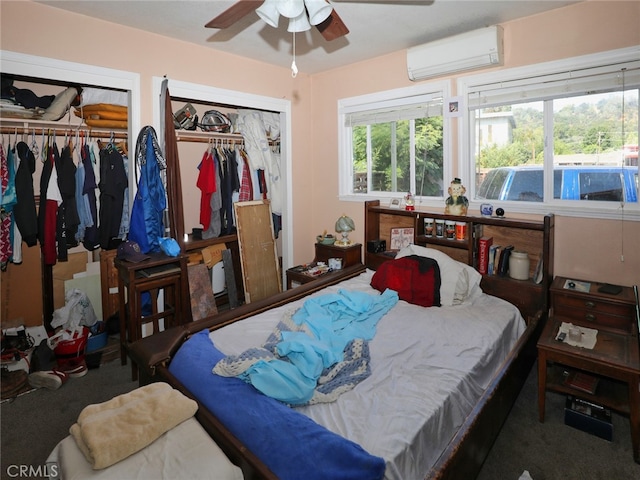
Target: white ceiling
376, 27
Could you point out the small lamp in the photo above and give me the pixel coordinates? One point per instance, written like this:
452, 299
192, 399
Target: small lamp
344, 226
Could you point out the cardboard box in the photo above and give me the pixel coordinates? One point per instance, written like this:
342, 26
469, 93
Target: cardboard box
588, 417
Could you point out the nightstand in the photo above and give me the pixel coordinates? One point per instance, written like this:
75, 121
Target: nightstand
351, 255
615, 359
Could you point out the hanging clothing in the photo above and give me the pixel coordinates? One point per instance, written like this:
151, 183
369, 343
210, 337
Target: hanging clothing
254, 125
50, 199
25, 212
82, 201
91, 238
7, 203
146, 227
123, 231
228, 171
215, 204
246, 185
68, 211
113, 182
206, 182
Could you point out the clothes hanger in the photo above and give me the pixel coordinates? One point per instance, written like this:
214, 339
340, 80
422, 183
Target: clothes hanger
34, 144
43, 150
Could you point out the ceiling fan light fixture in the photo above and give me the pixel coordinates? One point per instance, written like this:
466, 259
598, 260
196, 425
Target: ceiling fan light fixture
318, 10
290, 8
269, 13
299, 24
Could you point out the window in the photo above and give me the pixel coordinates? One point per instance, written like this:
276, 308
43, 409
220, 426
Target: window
562, 134
393, 143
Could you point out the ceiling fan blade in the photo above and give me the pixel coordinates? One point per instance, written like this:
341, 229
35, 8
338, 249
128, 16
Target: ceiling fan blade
234, 13
333, 27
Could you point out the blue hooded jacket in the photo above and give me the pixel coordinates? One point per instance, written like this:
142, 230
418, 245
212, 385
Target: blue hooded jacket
146, 227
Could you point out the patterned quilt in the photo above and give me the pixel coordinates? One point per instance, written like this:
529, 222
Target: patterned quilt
316, 353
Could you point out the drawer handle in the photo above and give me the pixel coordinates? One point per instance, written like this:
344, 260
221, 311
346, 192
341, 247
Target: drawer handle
590, 304
591, 317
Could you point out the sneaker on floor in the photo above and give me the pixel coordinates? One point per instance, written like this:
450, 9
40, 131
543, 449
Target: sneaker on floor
79, 370
49, 379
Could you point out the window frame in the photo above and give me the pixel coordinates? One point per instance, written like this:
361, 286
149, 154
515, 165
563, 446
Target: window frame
466, 140
396, 97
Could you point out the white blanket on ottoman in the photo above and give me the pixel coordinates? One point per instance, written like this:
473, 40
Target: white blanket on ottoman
185, 451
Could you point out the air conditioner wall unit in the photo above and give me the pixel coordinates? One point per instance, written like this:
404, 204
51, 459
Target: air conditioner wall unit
468, 51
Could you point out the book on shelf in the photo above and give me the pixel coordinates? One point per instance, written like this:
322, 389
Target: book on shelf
484, 243
493, 252
582, 381
503, 262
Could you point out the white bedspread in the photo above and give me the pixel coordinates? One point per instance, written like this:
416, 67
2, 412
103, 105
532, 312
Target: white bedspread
429, 367
184, 452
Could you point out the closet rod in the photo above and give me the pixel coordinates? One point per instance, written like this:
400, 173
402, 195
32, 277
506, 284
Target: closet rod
61, 131
208, 138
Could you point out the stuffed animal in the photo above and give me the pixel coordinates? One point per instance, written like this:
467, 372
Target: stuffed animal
456, 203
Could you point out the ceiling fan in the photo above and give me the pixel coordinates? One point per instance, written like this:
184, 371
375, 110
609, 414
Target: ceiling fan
302, 14
331, 26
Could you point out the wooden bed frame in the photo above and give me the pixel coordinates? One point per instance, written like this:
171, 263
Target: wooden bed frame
464, 455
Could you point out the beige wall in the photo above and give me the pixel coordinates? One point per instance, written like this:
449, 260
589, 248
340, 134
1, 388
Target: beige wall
585, 248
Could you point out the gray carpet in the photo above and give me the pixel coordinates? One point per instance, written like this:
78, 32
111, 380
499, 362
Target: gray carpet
35, 422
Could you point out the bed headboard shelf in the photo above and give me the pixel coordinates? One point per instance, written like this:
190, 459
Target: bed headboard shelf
532, 236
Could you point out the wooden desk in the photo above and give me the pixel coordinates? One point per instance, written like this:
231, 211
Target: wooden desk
160, 272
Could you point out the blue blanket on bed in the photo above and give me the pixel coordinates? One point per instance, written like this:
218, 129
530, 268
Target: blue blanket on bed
292, 445
318, 353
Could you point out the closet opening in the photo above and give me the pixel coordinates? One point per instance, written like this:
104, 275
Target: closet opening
196, 141
34, 287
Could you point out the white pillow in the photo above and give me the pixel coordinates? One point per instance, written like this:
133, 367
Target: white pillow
459, 281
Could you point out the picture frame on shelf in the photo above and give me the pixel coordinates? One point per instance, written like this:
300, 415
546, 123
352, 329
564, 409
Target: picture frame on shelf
401, 237
395, 202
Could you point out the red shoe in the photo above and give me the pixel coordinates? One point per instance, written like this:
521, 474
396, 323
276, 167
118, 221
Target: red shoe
79, 370
49, 379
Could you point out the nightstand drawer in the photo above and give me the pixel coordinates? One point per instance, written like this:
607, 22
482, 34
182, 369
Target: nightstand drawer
593, 304
595, 316
593, 308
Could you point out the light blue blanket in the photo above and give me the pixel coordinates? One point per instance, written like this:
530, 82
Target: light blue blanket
316, 354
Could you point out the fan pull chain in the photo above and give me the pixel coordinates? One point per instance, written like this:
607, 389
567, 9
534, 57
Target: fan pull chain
294, 67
